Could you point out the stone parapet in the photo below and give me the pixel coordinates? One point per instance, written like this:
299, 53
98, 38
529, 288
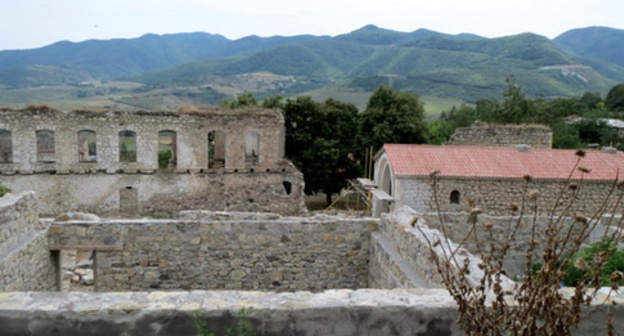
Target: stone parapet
364, 312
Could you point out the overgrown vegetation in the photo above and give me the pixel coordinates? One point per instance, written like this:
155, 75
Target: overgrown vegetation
581, 265
589, 128
4, 190
489, 306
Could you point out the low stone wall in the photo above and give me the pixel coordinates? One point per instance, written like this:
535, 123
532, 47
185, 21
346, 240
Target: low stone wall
265, 252
26, 264
483, 134
364, 312
458, 225
400, 254
99, 192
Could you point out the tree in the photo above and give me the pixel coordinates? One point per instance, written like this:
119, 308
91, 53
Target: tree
247, 99
392, 117
272, 102
615, 98
320, 141
516, 108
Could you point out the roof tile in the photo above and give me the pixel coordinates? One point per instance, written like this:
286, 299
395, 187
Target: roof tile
500, 162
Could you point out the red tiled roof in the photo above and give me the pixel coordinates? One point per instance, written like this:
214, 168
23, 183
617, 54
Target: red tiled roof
500, 162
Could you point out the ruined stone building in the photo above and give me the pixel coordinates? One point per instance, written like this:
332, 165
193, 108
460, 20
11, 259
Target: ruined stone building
493, 135
491, 178
131, 162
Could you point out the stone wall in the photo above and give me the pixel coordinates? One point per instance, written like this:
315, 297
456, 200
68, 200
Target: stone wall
223, 190
267, 253
26, 264
495, 196
364, 312
484, 134
400, 253
241, 168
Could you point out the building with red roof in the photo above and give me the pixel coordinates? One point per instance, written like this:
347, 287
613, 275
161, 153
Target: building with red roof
492, 178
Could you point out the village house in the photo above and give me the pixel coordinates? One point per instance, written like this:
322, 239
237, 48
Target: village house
492, 178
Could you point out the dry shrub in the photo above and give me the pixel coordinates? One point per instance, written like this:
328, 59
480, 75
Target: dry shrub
535, 306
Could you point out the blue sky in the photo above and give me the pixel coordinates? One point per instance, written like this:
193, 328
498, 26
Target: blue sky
34, 23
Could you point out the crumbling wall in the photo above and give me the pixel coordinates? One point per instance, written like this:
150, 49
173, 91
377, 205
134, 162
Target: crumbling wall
485, 134
401, 255
26, 264
267, 253
72, 171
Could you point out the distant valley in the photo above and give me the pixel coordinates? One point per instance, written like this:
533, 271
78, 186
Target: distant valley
167, 71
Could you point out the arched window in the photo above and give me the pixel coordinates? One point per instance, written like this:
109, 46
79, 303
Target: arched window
455, 197
127, 146
252, 146
45, 146
6, 146
167, 149
216, 149
87, 151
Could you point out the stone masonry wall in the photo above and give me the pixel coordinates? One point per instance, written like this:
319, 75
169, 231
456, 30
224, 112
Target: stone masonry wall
458, 225
228, 191
483, 134
495, 196
65, 181
363, 312
281, 254
26, 264
400, 253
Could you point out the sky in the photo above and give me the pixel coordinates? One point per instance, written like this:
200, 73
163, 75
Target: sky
28, 24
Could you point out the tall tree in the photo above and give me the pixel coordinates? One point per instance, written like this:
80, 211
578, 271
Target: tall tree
320, 140
615, 98
392, 117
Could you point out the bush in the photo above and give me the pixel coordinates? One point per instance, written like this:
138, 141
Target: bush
580, 265
4, 190
164, 157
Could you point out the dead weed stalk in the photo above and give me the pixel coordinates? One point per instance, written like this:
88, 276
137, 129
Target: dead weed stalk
535, 306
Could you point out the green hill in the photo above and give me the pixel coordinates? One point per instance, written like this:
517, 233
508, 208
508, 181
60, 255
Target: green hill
462, 67
602, 43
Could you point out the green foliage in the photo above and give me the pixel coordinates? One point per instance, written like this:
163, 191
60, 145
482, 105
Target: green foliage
272, 102
164, 157
4, 190
247, 99
615, 98
241, 328
320, 141
392, 117
579, 265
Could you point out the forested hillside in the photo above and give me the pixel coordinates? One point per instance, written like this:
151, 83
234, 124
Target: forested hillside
176, 69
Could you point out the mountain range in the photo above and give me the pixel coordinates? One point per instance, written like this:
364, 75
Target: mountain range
168, 70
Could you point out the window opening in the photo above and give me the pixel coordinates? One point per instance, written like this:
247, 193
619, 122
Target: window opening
455, 197
216, 149
127, 146
252, 147
87, 151
45, 146
6, 146
287, 187
166, 150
